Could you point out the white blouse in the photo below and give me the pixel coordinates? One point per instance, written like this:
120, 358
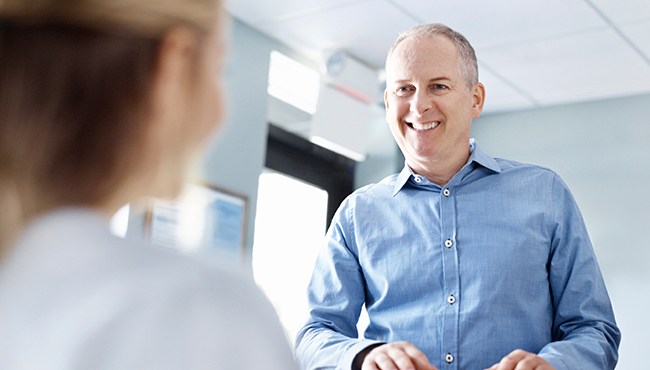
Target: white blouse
73, 296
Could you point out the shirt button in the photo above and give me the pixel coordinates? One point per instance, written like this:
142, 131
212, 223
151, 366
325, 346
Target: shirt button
448, 243
446, 192
449, 358
417, 179
451, 299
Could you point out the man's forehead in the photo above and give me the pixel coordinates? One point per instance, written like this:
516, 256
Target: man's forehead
419, 45
420, 53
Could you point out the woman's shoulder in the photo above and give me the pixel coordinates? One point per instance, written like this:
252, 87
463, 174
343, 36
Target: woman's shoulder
69, 274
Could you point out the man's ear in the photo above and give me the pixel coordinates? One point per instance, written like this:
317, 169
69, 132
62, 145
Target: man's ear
386, 105
478, 99
386, 99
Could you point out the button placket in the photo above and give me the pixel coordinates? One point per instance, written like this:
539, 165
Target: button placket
451, 286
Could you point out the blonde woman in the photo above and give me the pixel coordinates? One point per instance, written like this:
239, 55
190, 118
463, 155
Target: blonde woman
103, 102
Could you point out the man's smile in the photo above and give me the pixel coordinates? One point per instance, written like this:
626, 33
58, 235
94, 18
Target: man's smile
422, 126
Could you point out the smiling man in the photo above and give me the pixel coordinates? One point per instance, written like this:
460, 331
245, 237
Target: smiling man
431, 99
463, 261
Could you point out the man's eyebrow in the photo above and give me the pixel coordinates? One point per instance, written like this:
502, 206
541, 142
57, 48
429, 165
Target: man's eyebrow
435, 79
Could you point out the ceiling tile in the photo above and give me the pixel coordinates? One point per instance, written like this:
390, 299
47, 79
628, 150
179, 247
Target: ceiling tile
364, 30
253, 11
499, 22
590, 65
639, 34
624, 11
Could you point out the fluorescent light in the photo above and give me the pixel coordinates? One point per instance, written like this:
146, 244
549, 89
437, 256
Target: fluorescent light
293, 82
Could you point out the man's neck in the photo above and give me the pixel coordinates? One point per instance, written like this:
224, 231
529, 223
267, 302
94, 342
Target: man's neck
440, 172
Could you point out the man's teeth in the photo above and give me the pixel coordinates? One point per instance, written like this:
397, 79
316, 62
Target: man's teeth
426, 126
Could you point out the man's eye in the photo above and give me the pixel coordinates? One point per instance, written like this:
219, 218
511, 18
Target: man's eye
440, 87
404, 89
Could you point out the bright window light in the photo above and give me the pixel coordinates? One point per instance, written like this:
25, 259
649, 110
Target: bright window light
293, 82
120, 221
289, 233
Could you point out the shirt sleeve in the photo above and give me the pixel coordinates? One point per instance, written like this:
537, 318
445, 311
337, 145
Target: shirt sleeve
335, 297
585, 335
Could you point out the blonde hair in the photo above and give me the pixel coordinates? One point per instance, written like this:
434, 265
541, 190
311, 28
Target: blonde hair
75, 86
144, 17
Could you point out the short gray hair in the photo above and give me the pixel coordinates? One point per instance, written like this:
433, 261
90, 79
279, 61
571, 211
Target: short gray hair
468, 63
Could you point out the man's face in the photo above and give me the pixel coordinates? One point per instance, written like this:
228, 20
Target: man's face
429, 106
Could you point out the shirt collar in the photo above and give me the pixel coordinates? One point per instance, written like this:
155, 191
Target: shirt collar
477, 155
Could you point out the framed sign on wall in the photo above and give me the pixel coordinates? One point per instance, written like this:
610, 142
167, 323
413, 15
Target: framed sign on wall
204, 218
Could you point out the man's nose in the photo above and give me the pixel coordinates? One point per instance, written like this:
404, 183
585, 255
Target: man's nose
421, 103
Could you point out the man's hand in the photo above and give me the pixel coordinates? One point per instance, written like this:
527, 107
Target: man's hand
521, 360
396, 356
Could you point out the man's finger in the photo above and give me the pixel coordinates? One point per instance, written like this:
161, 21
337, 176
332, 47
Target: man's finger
396, 356
521, 360
384, 357
419, 358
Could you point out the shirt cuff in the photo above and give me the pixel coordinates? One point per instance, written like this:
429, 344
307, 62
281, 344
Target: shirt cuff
346, 361
554, 361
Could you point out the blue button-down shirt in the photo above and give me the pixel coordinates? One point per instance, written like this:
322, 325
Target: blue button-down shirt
497, 259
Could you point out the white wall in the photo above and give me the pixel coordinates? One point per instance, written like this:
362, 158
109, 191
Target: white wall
383, 156
601, 150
